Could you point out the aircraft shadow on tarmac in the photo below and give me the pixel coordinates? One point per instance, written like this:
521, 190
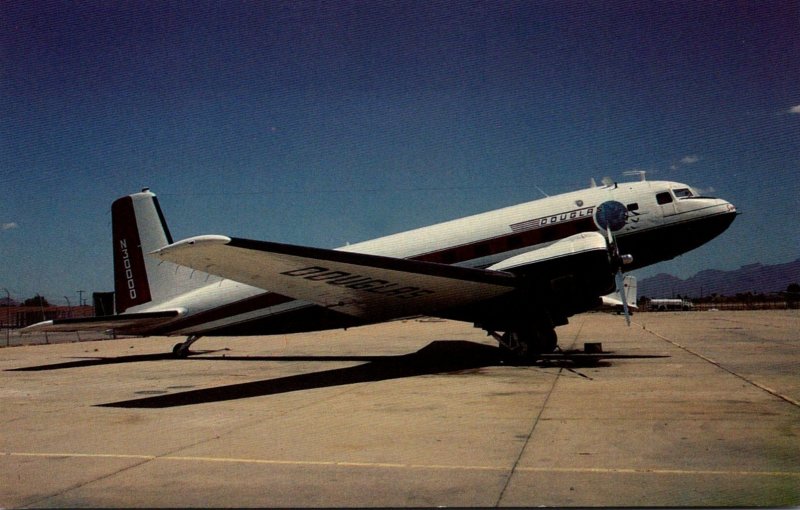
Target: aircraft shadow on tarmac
441, 356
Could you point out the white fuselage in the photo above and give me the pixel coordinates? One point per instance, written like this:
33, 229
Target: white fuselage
664, 219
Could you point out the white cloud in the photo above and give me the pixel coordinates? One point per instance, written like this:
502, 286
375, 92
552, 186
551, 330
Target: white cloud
9, 226
794, 109
690, 159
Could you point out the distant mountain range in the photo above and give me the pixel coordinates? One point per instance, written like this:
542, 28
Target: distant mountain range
755, 278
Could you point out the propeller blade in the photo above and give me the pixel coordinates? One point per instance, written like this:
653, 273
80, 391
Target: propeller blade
621, 287
612, 215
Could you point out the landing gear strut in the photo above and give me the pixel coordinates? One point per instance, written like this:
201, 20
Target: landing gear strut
527, 343
181, 350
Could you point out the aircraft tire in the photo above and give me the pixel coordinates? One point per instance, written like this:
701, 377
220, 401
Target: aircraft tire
179, 352
548, 340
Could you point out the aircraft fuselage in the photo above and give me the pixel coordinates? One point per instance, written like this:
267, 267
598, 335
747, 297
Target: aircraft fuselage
658, 220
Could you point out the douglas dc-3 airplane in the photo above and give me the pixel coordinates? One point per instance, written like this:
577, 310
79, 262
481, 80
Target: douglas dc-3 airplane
516, 272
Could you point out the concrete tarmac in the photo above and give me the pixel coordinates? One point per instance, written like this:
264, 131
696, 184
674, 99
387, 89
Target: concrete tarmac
687, 409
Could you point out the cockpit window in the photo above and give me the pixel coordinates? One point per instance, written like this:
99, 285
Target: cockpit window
663, 198
683, 193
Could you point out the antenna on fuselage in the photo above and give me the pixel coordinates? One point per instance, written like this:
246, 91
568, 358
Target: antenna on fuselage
640, 173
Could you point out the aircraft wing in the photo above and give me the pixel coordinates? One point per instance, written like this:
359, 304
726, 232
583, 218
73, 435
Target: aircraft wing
377, 288
131, 322
370, 287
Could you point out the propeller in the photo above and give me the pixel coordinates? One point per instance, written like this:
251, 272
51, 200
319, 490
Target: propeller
621, 286
612, 216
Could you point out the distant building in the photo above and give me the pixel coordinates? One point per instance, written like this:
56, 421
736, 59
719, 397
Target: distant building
21, 316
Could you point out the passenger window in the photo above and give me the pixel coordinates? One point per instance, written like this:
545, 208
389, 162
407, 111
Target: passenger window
683, 193
633, 207
663, 198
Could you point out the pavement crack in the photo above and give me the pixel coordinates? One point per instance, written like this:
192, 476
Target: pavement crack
717, 364
528, 438
538, 417
150, 458
42, 501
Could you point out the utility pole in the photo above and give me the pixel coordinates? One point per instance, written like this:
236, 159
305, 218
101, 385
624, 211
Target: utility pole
69, 314
8, 317
80, 297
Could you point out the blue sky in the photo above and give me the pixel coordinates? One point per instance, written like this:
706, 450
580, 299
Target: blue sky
322, 123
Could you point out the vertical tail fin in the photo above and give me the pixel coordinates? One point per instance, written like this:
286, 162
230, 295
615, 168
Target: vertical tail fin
139, 227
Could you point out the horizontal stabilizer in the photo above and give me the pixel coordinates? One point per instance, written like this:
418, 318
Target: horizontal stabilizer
124, 323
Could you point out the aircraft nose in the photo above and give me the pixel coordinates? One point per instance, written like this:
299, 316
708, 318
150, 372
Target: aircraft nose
715, 215
726, 212
728, 207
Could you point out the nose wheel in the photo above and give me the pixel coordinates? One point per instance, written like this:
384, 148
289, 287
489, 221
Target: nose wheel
181, 350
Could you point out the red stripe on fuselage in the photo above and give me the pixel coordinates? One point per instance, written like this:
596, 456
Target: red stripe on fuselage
508, 242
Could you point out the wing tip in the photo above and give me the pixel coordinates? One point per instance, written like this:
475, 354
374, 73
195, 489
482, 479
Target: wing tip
35, 327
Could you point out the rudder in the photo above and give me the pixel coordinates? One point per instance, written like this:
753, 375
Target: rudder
138, 227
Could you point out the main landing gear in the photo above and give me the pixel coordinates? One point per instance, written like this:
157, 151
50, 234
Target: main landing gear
181, 350
527, 343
